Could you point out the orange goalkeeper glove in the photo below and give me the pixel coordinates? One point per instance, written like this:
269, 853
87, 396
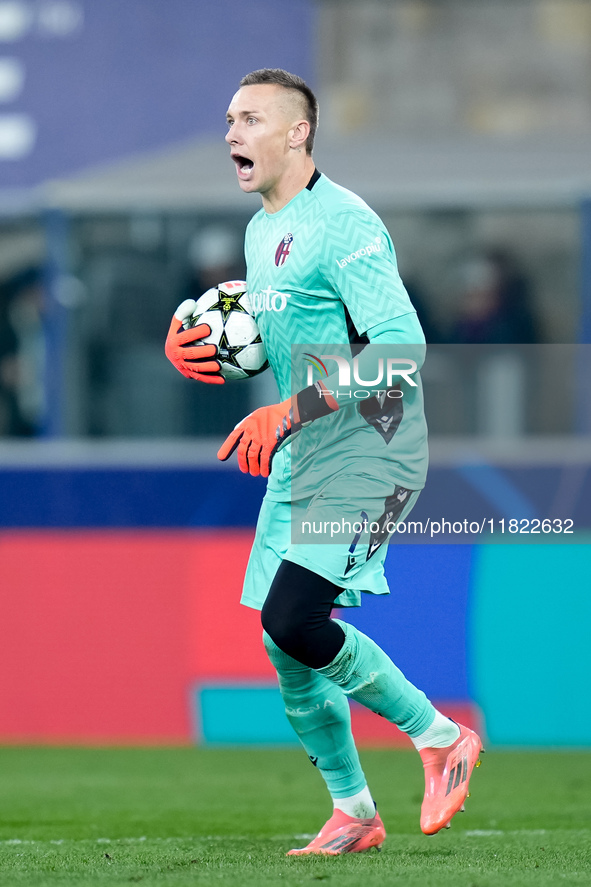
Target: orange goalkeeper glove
261, 434
192, 360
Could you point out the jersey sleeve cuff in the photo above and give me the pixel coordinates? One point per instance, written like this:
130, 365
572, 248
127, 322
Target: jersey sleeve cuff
314, 402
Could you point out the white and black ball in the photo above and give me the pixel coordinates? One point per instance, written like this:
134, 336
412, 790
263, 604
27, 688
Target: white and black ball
227, 310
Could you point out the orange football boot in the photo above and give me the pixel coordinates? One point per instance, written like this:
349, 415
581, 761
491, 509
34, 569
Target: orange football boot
447, 775
345, 834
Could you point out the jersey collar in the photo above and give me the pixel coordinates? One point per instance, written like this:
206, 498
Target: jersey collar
313, 180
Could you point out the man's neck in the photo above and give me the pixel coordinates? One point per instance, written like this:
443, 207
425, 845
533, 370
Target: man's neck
289, 185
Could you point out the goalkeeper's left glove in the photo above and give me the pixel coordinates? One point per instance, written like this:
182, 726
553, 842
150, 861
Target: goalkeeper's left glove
262, 433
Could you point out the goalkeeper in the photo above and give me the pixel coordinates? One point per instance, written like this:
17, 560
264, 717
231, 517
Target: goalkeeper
323, 279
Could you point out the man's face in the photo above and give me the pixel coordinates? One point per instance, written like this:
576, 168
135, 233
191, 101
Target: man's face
260, 120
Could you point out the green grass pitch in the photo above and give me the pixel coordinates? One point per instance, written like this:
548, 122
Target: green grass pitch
190, 816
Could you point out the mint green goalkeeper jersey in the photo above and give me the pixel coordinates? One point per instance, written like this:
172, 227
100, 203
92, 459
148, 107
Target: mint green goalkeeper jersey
322, 272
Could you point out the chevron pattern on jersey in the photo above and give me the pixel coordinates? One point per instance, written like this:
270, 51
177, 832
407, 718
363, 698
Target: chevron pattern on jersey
340, 259
359, 260
328, 266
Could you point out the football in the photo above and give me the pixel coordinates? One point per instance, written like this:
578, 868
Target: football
227, 310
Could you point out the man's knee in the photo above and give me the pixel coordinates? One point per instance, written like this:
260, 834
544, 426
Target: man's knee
285, 626
278, 659
296, 615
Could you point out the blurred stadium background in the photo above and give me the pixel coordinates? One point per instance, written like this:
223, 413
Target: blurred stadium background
122, 542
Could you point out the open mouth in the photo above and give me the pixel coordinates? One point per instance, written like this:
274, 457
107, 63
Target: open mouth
244, 165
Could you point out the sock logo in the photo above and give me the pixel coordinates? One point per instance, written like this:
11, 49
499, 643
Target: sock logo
313, 760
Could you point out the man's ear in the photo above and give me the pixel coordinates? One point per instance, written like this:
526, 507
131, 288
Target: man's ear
299, 134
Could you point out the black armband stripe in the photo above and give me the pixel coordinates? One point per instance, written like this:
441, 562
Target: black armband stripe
312, 404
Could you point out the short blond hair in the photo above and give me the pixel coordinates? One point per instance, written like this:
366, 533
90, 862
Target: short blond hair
282, 78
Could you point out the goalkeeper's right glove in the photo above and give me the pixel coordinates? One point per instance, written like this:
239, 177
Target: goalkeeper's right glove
192, 360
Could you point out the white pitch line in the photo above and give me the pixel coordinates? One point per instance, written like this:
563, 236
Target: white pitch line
142, 839
473, 833
488, 833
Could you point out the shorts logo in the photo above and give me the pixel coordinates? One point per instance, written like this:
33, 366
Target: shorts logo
282, 251
351, 559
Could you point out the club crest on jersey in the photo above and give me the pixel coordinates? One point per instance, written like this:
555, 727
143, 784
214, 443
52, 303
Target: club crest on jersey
282, 251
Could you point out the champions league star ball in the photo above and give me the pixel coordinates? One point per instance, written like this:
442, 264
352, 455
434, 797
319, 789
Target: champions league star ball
227, 310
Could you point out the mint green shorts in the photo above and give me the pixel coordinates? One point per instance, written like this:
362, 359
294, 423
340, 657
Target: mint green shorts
336, 536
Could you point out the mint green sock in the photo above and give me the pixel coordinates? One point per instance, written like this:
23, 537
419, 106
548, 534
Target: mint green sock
366, 674
319, 713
